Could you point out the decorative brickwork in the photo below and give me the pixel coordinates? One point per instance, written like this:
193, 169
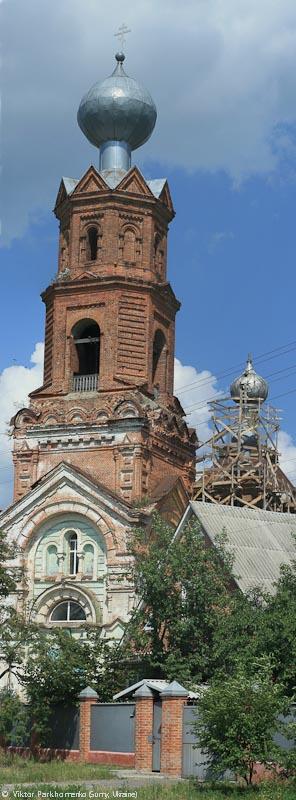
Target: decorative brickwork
107, 405
104, 431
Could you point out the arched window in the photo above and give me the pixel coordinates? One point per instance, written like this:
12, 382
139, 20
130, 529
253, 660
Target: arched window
92, 244
67, 611
89, 555
86, 353
159, 359
129, 246
72, 559
52, 566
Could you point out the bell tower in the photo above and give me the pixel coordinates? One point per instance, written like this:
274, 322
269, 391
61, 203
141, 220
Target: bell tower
106, 406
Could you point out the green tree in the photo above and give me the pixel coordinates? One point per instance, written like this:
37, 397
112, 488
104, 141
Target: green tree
14, 719
10, 572
237, 719
183, 587
278, 632
58, 666
16, 634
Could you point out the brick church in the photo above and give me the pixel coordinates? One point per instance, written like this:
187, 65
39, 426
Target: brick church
104, 434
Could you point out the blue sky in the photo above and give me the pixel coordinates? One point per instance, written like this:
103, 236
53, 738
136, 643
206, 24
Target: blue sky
225, 89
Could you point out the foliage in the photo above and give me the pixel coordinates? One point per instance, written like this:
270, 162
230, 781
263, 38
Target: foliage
237, 718
258, 623
288, 756
184, 590
57, 668
9, 572
278, 634
15, 636
14, 719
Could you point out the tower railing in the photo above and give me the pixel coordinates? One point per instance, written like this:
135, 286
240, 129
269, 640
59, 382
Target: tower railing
85, 383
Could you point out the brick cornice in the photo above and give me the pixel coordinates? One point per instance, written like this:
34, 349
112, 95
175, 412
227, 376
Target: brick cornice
163, 291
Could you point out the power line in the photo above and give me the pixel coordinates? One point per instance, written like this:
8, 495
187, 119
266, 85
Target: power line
230, 370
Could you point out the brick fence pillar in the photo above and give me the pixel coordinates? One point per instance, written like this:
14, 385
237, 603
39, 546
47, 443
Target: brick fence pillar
86, 699
173, 700
144, 728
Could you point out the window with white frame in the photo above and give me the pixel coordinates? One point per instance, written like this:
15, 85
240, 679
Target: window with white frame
68, 611
72, 559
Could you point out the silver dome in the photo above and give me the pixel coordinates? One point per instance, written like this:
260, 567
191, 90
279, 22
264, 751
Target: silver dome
118, 109
249, 384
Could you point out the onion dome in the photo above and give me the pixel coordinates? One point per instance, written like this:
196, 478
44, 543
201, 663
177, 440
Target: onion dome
250, 385
117, 111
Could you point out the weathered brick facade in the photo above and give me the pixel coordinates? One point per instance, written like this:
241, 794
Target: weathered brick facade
120, 423
104, 431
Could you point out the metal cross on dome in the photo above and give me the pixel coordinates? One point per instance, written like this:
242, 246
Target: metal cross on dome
121, 34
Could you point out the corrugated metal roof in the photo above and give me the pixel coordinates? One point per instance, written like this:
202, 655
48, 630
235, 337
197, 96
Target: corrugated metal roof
260, 540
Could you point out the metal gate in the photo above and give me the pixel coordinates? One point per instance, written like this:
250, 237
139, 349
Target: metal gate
194, 761
112, 727
156, 736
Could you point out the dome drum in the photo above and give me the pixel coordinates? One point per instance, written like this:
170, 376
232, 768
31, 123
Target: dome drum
115, 155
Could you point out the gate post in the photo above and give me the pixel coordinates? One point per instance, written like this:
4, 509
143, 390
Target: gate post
173, 699
144, 728
86, 699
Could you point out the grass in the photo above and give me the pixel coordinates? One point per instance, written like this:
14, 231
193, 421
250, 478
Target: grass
18, 770
186, 790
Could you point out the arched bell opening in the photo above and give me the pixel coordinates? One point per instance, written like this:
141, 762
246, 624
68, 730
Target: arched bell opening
92, 244
159, 361
86, 355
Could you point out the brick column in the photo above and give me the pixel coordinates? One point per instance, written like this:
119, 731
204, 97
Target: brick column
86, 699
144, 728
173, 699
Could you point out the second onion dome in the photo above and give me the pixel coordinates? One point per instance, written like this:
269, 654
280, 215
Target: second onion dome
252, 387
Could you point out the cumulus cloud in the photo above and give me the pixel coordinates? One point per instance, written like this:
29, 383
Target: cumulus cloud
194, 390
287, 449
223, 75
16, 383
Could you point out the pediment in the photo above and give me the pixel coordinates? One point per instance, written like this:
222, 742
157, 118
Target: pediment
134, 183
90, 182
69, 483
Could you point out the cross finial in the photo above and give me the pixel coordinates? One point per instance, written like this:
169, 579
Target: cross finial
121, 34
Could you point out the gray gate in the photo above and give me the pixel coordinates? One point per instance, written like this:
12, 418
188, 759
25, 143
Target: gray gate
63, 727
112, 727
156, 737
193, 758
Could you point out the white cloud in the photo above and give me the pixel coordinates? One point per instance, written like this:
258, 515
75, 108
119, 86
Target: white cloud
194, 390
287, 449
15, 384
223, 75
